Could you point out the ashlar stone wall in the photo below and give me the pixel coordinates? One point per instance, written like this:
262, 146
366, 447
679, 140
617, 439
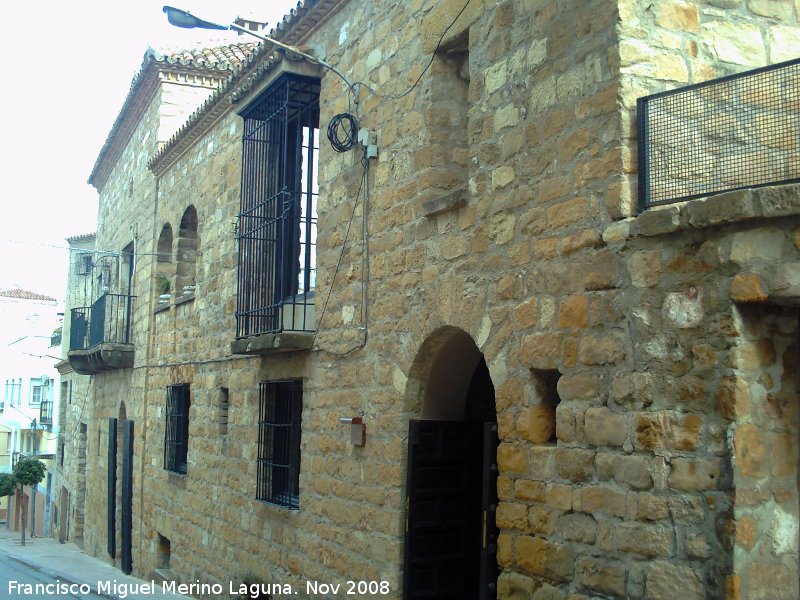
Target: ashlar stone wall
636, 390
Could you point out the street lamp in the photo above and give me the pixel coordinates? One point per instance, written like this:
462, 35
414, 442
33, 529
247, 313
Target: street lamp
183, 18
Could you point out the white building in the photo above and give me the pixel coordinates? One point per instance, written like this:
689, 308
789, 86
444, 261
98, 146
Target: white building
30, 324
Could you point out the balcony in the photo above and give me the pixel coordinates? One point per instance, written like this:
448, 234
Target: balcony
100, 335
736, 132
46, 413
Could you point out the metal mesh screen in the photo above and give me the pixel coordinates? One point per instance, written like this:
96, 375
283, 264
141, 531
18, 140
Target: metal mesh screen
280, 409
731, 133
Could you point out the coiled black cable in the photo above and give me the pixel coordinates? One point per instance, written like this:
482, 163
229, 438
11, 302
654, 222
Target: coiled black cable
343, 132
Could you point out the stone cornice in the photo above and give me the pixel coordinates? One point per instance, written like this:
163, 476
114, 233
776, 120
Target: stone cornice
294, 29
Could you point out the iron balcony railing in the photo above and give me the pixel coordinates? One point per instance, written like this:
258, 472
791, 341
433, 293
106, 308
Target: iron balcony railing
107, 321
46, 412
735, 132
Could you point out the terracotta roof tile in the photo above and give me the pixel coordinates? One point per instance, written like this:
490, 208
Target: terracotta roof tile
83, 237
25, 295
219, 60
293, 28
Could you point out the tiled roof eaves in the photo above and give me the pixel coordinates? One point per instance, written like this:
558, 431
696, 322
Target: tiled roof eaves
83, 237
20, 294
293, 29
143, 87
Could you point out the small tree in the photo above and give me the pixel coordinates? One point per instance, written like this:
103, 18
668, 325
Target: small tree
28, 471
7, 484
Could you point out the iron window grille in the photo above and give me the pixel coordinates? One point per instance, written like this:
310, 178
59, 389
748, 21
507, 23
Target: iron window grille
176, 432
280, 409
277, 228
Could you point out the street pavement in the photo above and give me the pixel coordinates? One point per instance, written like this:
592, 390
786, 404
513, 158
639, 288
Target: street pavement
46, 561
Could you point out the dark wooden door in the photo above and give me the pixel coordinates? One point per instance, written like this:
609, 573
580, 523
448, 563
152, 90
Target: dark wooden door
112, 488
443, 510
127, 495
489, 569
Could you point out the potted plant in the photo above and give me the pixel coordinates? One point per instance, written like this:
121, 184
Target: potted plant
162, 287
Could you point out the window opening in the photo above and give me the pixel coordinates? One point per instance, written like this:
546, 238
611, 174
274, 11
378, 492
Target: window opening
176, 433
280, 410
278, 213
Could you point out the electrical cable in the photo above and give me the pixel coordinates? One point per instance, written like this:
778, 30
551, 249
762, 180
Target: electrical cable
425, 70
343, 132
339, 262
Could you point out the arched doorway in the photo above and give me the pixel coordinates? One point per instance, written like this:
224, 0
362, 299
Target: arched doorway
451, 488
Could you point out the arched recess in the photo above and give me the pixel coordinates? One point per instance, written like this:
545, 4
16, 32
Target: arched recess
187, 247
164, 271
451, 487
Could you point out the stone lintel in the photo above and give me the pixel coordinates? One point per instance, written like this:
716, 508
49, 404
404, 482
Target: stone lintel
443, 204
737, 206
102, 357
445, 20
269, 343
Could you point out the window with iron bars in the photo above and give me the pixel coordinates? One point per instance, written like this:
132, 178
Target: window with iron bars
176, 431
277, 229
280, 409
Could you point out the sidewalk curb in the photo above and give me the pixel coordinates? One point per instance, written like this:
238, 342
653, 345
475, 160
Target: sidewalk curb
59, 576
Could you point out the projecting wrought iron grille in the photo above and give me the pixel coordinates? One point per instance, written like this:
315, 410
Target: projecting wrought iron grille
735, 132
176, 431
280, 409
278, 213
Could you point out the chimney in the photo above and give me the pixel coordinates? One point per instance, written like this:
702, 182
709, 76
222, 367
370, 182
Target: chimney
250, 24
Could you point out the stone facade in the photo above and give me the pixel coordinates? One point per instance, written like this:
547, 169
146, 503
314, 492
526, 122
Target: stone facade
74, 413
643, 368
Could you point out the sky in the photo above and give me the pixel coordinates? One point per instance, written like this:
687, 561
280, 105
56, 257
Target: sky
69, 67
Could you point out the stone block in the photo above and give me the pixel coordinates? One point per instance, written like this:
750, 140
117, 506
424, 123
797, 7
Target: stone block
694, 474
548, 592
747, 287
646, 540
670, 430
633, 471
588, 238
736, 43
544, 559
779, 201
451, 20
511, 515
730, 207
512, 459
786, 282
541, 351
750, 451
541, 520
666, 581
566, 213
601, 499
559, 496
757, 246
537, 424
601, 576
602, 349
573, 313
604, 427
772, 582
577, 527
645, 268
684, 310
658, 221
678, 16
574, 464
580, 386
529, 491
